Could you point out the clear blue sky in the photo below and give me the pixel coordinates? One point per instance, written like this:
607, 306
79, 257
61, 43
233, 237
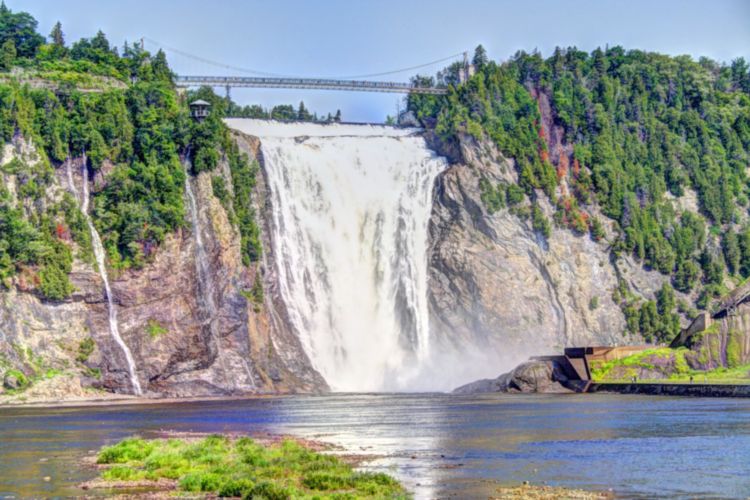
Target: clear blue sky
350, 37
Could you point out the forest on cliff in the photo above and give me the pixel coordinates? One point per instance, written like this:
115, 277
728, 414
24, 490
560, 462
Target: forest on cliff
610, 137
120, 112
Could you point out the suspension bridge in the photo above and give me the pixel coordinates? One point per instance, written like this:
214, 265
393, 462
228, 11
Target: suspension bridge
361, 83
229, 82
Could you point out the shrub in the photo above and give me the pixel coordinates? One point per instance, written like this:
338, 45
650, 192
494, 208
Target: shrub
85, 349
154, 329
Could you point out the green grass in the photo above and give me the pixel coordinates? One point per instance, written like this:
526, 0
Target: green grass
622, 370
155, 329
243, 468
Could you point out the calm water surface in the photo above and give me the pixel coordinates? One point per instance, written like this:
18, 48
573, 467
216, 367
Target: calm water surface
439, 445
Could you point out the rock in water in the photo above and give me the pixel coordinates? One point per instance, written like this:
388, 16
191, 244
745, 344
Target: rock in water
545, 376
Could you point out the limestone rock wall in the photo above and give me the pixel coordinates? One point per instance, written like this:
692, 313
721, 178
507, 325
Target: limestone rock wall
497, 289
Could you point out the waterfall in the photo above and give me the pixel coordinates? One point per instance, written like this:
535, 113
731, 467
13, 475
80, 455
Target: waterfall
351, 204
96, 243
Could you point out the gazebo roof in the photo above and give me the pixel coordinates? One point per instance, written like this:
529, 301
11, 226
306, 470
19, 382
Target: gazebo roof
200, 102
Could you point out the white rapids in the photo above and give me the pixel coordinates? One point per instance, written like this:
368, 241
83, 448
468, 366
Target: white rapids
351, 205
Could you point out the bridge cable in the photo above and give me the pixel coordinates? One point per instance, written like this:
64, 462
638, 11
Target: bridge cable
213, 63
277, 75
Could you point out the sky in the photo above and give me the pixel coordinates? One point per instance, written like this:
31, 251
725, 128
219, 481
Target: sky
352, 37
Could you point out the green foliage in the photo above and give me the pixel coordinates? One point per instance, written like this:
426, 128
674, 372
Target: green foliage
19, 29
514, 194
640, 124
23, 380
219, 188
670, 362
154, 329
594, 303
243, 468
539, 222
127, 450
493, 197
283, 112
597, 229
244, 173
734, 348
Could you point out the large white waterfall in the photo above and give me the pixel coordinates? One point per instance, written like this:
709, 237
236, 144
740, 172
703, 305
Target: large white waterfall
96, 243
351, 205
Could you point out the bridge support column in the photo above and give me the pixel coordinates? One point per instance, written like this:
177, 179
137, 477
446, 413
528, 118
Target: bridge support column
228, 93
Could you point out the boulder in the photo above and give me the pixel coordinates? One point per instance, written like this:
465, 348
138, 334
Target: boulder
14, 380
534, 376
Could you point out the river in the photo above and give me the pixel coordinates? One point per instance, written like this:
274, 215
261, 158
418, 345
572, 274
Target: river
438, 445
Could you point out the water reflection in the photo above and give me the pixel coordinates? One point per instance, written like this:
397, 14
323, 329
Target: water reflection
438, 445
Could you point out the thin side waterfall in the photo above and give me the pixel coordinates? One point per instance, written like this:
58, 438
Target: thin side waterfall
351, 205
205, 280
96, 243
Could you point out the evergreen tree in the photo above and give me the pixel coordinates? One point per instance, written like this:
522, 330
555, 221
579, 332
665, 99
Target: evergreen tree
7, 54
732, 255
337, 118
160, 67
302, 113
57, 36
480, 57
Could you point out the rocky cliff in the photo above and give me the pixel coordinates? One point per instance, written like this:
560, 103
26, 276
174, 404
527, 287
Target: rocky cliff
499, 289
180, 348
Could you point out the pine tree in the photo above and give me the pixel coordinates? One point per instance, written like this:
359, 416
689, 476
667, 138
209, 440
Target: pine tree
480, 57
57, 36
160, 67
337, 118
302, 113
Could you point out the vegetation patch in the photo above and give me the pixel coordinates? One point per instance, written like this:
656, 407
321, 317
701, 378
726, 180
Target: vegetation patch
640, 130
155, 329
240, 467
672, 365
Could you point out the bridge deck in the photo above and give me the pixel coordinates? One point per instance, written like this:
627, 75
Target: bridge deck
304, 83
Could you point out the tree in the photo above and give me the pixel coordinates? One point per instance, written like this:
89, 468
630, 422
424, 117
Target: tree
21, 29
302, 113
100, 42
665, 299
7, 54
160, 67
480, 57
732, 254
57, 36
283, 112
740, 71
337, 118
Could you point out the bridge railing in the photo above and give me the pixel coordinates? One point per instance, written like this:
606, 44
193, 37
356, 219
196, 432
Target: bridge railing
311, 83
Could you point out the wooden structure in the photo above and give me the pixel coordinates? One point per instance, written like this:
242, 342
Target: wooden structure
199, 109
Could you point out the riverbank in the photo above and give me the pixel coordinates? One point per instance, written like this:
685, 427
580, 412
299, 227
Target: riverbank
673, 389
108, 399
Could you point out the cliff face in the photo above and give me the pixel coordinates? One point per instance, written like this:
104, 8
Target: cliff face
179, 347
500, 290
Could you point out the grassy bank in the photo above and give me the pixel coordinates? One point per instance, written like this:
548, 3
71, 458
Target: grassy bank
239, 467
666, 365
